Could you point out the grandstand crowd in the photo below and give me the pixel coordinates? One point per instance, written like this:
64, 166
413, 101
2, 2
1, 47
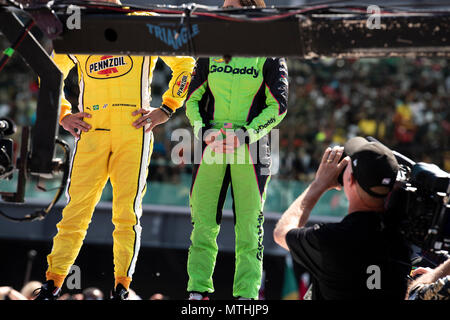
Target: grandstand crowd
403, 103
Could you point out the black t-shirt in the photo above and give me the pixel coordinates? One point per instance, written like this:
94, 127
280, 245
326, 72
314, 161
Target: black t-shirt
357, 258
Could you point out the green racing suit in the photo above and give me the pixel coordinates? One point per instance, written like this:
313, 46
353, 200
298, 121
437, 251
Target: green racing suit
249, 96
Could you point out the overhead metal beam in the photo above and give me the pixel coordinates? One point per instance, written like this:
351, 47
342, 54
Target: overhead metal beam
300, 36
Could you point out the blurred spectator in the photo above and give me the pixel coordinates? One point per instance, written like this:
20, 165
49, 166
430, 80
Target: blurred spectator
65, 296
29, 289
8, 293
68, 296
77, 296
158, 296
132, 295
92, 294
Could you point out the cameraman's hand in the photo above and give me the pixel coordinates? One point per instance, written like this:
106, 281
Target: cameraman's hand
75, 121
330, 168
419, 271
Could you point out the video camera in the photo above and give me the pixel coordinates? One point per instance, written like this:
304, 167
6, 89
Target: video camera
419, 204
11, 162
7, 128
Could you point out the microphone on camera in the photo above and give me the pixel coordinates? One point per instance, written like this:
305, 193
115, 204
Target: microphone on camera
7, 126
340, 178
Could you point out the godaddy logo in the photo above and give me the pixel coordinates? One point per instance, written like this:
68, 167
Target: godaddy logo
230, 69
259, 254
265, 125
170, 36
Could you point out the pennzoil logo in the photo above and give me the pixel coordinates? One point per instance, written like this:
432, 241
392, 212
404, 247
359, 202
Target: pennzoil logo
181, 86
108, 67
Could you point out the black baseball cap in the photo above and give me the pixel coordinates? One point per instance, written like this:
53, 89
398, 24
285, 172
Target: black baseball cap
374, 165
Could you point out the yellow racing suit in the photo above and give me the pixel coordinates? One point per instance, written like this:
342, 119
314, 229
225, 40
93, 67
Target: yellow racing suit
111, 88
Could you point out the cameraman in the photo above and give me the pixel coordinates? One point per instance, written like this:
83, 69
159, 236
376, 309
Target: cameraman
433, 284
360, 257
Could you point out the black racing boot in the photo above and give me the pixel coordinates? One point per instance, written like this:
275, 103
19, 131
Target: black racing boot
119, 293
198, 295
48, 291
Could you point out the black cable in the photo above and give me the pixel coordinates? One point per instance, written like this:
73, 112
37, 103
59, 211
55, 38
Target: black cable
185, 21
191, 46
8, 52
213, 12
15, 4
352, 7
65, 169
172, 9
